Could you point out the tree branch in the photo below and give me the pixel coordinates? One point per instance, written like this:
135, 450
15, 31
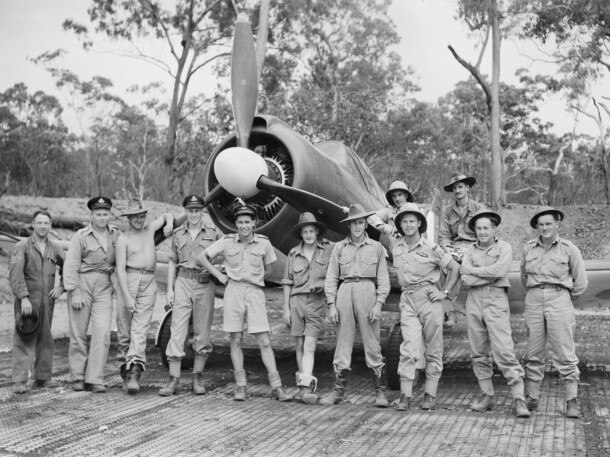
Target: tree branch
476, 74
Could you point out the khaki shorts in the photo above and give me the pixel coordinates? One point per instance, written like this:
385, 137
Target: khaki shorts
307, 314
242, 298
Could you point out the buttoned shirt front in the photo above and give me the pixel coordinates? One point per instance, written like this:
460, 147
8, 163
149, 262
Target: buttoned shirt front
490, 265
350, 261
243, 261
186, 249
454, 226
305, 276
560, 264
422, 263
32, 272
87, 253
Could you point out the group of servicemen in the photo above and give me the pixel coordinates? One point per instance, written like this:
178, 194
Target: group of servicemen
346, 282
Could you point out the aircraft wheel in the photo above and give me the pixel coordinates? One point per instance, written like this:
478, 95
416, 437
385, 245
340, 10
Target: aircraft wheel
164, 336
392, 358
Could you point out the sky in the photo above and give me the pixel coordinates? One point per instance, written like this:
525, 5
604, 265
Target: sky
30, 27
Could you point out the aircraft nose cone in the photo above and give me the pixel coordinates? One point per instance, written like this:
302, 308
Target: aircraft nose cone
238, 170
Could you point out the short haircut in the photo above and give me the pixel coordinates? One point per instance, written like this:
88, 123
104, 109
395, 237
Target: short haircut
43, 212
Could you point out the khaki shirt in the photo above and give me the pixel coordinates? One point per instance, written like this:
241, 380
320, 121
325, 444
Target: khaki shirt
454, 227
185, 249
349, 261
561, 264
244, 262
491, 264
87, 253
420, 264
305, 276
383, 216
32, 273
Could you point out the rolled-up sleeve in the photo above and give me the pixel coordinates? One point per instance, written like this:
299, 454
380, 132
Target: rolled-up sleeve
383, 277
332, 276
287, 279
72, 265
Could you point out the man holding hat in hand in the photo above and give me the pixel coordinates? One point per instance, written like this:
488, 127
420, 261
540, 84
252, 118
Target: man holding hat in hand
485, 268
136, 259
552, 271
191, 291
89, 263
32, 276
419, 263
304, 299
357, 285
247, 259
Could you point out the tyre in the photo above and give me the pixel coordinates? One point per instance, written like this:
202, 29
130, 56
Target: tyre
164, 336
392, 357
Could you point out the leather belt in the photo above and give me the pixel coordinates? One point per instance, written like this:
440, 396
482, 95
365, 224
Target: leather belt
143, 271
550, 286
416, 287
200, 276
357, 279
487, 287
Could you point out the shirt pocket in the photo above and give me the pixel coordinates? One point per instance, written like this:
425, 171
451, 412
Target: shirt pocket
532, 261
94, 255
233, 257
558, 266
369, 267
256, 262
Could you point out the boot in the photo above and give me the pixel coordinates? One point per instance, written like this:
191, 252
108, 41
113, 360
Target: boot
97, 388
336, 396
381, 400
572, 409
429, 402
133, 376
198, 385
307, 386
170, 388
521, 409
531, 403
532, 394
486, 403
19, 388
404, 403
277, 391
78, 385
47, 383
240, 385
123, 371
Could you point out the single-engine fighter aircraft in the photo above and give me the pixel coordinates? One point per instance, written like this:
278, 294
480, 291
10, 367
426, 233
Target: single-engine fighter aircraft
267, 163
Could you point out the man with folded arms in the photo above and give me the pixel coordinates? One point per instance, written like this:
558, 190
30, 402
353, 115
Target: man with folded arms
136, 259
485, 268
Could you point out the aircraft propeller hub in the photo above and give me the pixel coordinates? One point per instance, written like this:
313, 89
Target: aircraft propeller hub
238, 170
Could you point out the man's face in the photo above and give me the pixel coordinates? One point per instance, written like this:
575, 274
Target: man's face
410, 223
309, 234
547, 227
137, 221
399, 198
100, 218
245, 225
460, 190
42, 225
485, 230
357, 227
194, 215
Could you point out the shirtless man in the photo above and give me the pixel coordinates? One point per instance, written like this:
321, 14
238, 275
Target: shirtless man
136, 258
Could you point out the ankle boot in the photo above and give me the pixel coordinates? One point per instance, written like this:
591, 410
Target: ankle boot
381, 401
572, 409
277, 391
240, 385
486, 403
123, 371
520, 408
307, 386
336, 396
170, 388
133, 376
197, 384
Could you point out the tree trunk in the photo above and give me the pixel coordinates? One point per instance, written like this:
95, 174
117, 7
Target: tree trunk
552, 196
497, 193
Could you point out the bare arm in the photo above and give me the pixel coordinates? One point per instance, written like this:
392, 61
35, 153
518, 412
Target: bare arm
204, 260
497, 270
165, 220
121, 263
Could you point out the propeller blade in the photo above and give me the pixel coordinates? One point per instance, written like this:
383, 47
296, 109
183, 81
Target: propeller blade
244, 79
214, 195
326, 211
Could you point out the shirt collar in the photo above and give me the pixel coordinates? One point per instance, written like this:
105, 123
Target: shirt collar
478, 246
367, 240
539, 240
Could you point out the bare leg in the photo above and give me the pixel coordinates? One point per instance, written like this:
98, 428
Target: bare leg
264, 344
237, 355
309, 350
299, 340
